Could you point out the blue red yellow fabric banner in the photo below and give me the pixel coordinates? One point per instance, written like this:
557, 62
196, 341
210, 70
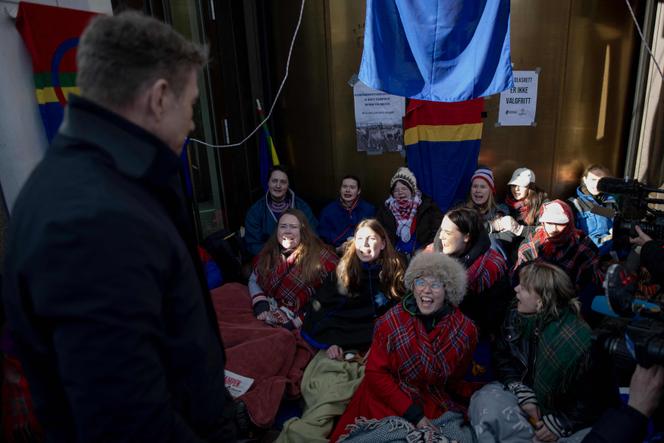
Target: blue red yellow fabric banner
51, 36
442, 147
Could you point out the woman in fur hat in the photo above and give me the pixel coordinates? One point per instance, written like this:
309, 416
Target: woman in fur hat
543, 358
367, 282
410, 218
421, 349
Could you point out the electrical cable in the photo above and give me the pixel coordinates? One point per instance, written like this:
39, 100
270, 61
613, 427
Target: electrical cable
283, 82
643, 39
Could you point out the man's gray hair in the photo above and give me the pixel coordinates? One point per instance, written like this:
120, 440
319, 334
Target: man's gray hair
119, 56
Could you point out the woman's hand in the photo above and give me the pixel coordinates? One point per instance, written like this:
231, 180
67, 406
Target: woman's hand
335, 352
533, 413
268, 318
542, 433
424, 423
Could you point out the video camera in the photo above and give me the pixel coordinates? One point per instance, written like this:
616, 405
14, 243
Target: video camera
634, 210
640, 336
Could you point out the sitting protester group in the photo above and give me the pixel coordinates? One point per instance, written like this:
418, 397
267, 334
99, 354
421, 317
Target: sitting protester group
417, 304
396, 322
420, 351
340, 324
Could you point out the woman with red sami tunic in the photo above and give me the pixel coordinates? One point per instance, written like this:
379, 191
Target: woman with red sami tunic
420, 351
289, 269
260, 324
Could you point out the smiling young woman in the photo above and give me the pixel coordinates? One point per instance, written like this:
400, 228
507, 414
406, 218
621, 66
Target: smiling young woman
367, 282
410, 217
548, 384
293, 263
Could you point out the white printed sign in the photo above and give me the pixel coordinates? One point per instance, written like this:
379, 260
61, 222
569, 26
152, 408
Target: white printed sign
237, 384
519, 103
378, 119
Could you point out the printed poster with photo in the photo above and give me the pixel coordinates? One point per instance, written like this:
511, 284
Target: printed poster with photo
378, 119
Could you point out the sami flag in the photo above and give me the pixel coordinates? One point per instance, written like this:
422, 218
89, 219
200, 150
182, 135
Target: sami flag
51, 36
437, 50
442, 147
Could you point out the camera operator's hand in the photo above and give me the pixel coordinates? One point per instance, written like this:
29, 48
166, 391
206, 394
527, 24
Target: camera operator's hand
645, 389
642, 238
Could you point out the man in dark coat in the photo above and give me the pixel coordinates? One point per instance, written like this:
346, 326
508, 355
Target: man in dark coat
104, 294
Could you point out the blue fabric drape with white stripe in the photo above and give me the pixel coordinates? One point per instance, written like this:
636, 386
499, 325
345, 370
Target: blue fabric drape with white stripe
437, 50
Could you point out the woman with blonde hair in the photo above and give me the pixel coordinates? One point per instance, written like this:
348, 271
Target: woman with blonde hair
340, 323
543, 365
482, 197
367, 282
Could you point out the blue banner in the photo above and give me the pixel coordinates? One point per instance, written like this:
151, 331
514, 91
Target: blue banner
437, 50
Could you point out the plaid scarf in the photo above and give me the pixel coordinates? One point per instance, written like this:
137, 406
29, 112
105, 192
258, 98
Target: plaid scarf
404, 213
19, 422
519, 207
427, 360
484, 265
486, 270
563, 353
278, 208
571, 250
286, 286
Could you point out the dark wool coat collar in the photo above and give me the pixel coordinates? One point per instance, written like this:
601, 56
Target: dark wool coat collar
480, 247
134, 151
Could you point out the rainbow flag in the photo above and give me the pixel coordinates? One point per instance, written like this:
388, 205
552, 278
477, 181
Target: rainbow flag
442, 146
51, 36
267, 152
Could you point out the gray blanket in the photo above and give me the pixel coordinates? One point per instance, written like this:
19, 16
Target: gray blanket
448, 427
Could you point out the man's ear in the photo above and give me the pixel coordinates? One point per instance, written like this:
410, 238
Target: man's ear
157, 98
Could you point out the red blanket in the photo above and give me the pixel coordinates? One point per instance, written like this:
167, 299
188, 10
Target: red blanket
273, 356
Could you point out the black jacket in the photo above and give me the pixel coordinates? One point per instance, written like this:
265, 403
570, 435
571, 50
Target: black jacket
619, 425
104, 294
335, 318
652, 257
488, 307
427, 218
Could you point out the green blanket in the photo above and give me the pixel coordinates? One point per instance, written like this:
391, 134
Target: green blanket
327, 387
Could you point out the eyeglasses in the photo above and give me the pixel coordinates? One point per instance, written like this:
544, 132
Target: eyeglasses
434, 285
